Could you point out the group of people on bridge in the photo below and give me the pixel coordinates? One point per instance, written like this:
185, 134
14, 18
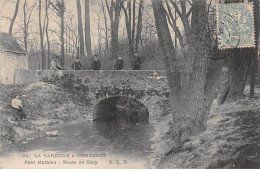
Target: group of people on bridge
96, 64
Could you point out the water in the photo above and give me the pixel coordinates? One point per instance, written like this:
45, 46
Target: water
130, 146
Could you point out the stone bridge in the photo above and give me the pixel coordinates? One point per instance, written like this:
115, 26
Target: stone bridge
104, 88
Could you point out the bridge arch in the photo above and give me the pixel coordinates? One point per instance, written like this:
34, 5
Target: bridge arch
148, 87
123, 109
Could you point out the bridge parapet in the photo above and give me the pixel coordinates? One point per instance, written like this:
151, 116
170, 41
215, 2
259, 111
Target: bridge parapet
28, 76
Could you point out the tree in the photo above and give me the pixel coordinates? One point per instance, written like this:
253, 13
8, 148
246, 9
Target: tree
26, 22
106, 28
139, 25
114, 15
73, 32
14, 17
192, 91
80, 30
47, 4
41, 36
59, 8
238, 70
131, 25
87, 28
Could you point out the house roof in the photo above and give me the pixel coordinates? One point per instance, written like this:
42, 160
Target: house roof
8, 43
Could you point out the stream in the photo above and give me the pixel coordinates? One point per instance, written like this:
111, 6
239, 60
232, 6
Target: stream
90, 144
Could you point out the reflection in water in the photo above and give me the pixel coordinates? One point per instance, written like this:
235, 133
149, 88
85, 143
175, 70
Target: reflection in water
127, 111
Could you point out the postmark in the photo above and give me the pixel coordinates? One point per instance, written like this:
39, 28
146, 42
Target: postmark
235, 25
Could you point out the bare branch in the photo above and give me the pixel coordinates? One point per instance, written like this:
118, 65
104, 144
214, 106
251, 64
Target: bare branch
176, 7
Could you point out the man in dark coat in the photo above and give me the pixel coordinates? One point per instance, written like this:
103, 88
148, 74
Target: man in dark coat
137, 62
96, 65
76, 65
119, 64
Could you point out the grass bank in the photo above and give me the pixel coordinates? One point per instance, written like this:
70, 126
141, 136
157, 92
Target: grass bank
231, 139
46, 106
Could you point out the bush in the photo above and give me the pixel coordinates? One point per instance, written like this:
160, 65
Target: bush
7, 132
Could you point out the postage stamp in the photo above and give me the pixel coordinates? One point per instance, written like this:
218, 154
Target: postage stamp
235, 25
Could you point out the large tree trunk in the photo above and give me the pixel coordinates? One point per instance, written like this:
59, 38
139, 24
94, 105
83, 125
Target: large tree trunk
14, 17
192, 94
41, 36
237, 74
80, 30
114, 30
87, 28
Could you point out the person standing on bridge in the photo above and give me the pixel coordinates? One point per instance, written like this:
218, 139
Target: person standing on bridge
55, 65
137, 62
119, 64
96, 65
76, 65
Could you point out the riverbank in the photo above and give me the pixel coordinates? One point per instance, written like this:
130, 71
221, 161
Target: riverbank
46, 106
231, 139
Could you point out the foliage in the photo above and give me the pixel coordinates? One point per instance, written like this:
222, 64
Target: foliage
7, 132
72, 85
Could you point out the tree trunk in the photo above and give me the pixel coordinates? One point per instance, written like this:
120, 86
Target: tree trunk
237, 74
139, 26
190, 96
106, 29
62, 33
87, 28
170, 61
130, 28
14, 17
255, 62
114, 30
25, 31
47, 34
41, 36
238, 69
80, 30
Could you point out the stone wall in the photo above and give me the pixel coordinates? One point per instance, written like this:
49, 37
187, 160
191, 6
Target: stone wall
28, 76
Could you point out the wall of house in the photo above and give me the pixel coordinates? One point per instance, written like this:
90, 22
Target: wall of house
9, 62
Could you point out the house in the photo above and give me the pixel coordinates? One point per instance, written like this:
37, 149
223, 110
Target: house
12, 57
